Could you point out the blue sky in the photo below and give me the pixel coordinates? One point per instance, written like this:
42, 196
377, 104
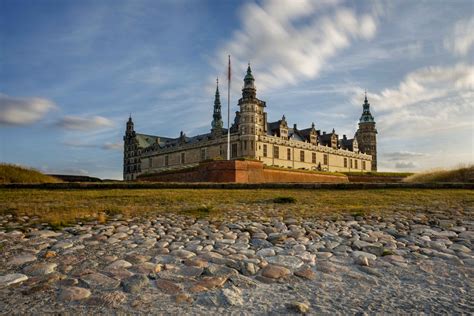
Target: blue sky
72, 71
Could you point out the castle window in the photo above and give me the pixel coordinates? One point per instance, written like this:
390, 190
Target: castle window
183, 158
166, 160
221, 151
203, 154
350, 163
356, 164
363, 165
345, 162
288, 153
276, 152
245, 145
326, 159
313, 157
264, 150
252, 146
302, 155
234, 150
149, 163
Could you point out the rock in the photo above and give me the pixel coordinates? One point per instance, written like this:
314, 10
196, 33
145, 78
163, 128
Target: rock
275, 272
183, 254
147, 268
119, 264
362, 261
10, 279
21, 259
233, 296
219, 270
369, 256
289, 262
44, 234
135, 283
73, 293
99, 281
183, 273
113, 299
242, 282
248, 268
306, 272
460, 248
299, 307
40, 269
196, 262
168, 287
62, 245
265, 252
208, 283
260, 243
326, 267
183, 298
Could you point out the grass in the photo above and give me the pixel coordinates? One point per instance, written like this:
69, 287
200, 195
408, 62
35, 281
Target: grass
379, 174
16, 174
328, 173
462, 174
61, 208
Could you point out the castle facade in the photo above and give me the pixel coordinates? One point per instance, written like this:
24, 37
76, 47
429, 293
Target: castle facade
253, 137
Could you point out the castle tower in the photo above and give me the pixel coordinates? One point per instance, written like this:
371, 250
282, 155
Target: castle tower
366, 135
131, 159
253, 118
217, 124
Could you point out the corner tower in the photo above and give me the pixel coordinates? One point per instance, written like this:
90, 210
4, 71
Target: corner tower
131, 160
367, 133
252, 116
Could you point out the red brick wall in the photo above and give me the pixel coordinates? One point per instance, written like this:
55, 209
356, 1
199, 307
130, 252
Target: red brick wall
241, 172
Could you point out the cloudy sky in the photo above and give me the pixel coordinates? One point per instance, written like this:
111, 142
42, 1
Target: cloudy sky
72, 71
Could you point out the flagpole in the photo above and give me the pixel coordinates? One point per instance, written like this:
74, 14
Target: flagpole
228, 111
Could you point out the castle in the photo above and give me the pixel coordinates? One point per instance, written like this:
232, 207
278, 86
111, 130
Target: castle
252, 136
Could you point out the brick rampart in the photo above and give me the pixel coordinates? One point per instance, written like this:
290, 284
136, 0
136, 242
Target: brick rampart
242, 172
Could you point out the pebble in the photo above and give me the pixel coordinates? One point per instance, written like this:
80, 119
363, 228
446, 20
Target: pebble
73, 293
275, 272
10, 279
22, 259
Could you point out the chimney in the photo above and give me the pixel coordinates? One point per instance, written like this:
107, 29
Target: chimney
294, 127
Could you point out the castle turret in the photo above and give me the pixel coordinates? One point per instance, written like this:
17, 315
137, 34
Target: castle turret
249, 90
131, 159
217, 124
367, 133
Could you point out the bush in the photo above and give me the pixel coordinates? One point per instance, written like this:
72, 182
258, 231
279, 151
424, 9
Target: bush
284, 200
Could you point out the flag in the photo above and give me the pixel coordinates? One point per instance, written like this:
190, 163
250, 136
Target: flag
228, 71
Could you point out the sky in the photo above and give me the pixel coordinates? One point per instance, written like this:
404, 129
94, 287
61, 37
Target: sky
71, 72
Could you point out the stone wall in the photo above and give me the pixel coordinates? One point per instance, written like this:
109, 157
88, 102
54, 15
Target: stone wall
241, 172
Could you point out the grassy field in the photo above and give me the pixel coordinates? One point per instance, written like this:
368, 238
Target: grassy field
462, 174
62, 208
16, 174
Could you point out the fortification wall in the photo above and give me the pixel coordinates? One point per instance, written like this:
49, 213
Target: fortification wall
242, 172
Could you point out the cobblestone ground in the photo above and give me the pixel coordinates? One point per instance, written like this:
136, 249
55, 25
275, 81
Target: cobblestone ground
405, 262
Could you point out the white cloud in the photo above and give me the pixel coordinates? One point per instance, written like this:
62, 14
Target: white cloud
112, 146
427, 100
290, 41
461, 39
402, 155
23, 111
405, 165
84, 123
